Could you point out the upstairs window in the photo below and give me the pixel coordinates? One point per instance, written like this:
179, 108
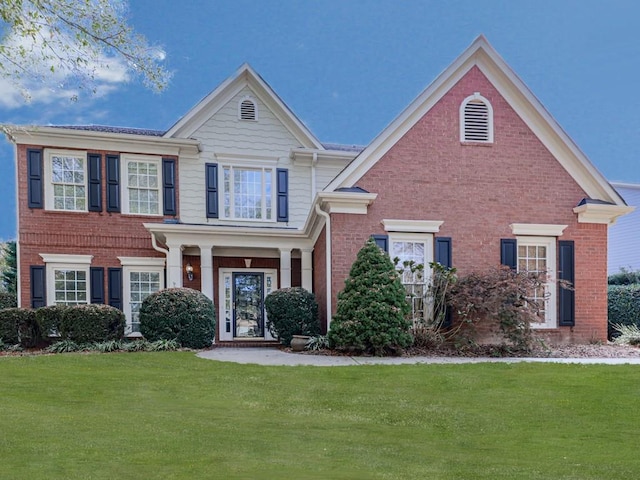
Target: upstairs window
476, 119
248, 193
142, 193
248, 109
67, 189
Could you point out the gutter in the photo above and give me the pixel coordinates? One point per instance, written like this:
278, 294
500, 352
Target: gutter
327, 232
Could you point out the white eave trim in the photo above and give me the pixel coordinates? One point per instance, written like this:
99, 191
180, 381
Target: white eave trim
67, 259
305, 156
412, 226
346, 202
537, 229
601, 213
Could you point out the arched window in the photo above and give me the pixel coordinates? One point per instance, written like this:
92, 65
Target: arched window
476, 119
248, 109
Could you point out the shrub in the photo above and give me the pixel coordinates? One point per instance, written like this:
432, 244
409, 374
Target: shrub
627, 334
180, 314
623, 306
372, 308
63, 346
92, 323
50, 319
292, 311
19, 326
8, 300
624, 277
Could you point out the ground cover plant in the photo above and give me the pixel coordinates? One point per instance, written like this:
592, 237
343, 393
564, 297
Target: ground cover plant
171, 415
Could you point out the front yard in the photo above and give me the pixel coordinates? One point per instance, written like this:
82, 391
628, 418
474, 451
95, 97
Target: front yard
174, 416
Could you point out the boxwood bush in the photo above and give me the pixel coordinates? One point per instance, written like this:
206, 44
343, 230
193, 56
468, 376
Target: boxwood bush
180, 314
623, 306
81, 323
8, 300
19, 326
292, 311
50, 319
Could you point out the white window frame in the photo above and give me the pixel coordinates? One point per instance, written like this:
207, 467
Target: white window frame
427, 240
551, 317
54, 262
124, 180
48, 175
265, 167
476, 97
137, 265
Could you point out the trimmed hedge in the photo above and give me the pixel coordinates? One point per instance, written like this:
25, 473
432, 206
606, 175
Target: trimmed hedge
8, 300
82, 323
623, 306
19, 326
180, 314
292, 311
50, 319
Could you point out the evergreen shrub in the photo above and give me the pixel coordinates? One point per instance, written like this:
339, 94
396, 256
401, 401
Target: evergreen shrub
19, 326
623, 306
8, 300
372, 310
92, 323
50, 319
181, 314
292, 311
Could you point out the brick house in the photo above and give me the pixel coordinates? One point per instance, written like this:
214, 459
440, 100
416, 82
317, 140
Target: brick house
239, 198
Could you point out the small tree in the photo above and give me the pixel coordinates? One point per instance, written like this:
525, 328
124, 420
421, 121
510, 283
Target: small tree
9, 267
292, 311
372, 309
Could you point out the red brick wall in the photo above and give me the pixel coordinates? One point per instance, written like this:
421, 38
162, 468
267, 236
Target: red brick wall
101, 234
320, 277
478, 191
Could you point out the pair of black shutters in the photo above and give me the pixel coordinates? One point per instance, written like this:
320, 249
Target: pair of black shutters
96, 282
212, 191
94, 174
566, 272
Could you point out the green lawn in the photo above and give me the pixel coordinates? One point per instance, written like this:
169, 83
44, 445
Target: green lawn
174, 416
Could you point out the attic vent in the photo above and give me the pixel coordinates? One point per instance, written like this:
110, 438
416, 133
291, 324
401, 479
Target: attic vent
476, 120
248, 110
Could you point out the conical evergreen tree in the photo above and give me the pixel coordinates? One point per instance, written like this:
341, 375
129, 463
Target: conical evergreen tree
372, 309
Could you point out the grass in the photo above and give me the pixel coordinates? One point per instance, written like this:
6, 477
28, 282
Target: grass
174, 416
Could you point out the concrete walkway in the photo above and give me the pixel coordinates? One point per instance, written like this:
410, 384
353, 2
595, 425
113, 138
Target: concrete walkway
274, 356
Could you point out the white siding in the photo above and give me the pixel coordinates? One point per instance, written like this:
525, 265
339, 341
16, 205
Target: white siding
624, 236
327, 171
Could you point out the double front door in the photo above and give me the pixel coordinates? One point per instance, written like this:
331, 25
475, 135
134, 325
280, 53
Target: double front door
242, 303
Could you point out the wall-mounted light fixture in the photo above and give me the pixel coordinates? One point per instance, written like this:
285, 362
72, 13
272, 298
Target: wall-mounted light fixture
189, 270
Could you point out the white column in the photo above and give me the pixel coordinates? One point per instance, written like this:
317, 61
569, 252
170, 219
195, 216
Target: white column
307, 269
174, 265
285, 268
206, 270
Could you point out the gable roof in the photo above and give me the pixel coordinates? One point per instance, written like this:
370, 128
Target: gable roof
245, 76
481, 54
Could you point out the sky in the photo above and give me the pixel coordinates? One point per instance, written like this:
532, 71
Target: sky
347, 68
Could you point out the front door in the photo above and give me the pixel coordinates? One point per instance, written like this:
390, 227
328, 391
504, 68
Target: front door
248, 311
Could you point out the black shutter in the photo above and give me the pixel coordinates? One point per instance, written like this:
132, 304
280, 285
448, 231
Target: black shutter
283, 194
38, 286
211, 174
509, 252
382, 241
444, 258
566, 272
113, 183
96, 274
169, 186
115, 287
94, 163
34, 172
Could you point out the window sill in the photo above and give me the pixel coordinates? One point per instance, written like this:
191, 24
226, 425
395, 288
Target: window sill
476, 144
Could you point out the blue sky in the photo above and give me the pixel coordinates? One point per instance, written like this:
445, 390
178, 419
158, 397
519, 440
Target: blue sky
347, 67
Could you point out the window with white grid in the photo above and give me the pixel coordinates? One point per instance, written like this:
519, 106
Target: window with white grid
68, 190
143, 187
141, 285
537, 255
70, 287
248, 193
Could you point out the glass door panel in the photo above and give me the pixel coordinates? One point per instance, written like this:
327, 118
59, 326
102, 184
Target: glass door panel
248, 299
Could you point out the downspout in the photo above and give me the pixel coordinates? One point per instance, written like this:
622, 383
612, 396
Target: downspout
327, 232
155, 246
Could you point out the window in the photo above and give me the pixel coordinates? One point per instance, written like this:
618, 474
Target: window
142, 195
67, 279
142, 276
248, 193
67, 188
537, 255
476, 119
409, 251
247, 109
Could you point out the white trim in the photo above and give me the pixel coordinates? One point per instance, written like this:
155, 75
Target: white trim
539, 229
415, 226
142, 261
144, 265
244, 159
124, 180
476, 96
49, 153
601, 213
346, 202
65, 258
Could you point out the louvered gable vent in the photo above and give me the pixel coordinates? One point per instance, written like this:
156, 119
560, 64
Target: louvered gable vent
476, 120
247, 110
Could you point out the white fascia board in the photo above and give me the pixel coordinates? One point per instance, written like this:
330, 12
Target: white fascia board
91, 140
537, 229
412, 226
346, 202
601, 213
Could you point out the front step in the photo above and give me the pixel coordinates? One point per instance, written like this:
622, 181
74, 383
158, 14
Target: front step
247, 344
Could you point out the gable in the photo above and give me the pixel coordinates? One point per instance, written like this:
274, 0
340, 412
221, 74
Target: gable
481, 56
